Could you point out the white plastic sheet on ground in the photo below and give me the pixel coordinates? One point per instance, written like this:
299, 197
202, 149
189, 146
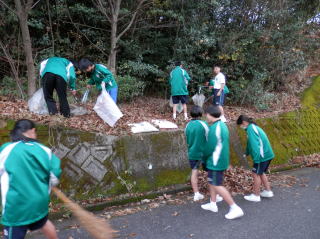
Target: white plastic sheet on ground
142, 127
164, 124
37, 103
179, 106
198, 99
106, 108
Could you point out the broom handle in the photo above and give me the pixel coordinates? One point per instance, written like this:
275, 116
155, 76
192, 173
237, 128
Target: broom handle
61, 195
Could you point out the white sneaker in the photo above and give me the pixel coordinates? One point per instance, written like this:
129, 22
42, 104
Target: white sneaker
210, 207
266, 194
197, 197
223, 119
252, 198
234, 213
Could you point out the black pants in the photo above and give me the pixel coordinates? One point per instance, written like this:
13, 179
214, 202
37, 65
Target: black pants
50, 82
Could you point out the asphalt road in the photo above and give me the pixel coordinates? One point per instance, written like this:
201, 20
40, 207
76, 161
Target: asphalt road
293, 213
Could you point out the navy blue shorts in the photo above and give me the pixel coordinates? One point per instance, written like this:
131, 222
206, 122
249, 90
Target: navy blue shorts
19, 232
215, 178
179, 98
261, 168
218, 100
195, 164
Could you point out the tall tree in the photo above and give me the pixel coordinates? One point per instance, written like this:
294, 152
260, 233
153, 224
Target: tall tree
23, 9
113, 12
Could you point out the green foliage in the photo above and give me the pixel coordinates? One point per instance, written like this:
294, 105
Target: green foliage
140, 69
9, 87
129, 88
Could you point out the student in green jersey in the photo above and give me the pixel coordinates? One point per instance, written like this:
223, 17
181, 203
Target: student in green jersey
56, 74
179, 80
260, 150
217, 161
98, 74
28, 169
196, 136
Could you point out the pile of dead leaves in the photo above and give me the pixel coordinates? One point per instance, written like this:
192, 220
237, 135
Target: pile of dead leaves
312, 160
239, 180
141, 109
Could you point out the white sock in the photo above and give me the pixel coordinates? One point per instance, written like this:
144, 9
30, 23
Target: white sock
185, 115
233, 206
174, 116
196, 193
215, 203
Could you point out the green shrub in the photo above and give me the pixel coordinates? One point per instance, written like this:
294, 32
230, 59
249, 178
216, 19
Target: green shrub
129, 88
8, 86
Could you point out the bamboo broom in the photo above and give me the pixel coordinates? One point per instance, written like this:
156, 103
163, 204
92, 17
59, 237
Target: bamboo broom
97, 227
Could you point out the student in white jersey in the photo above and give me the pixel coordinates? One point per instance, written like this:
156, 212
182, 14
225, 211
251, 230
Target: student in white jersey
217, 84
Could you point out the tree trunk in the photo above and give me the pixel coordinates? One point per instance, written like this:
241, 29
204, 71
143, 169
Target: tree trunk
113, 49
114, 39
23, 20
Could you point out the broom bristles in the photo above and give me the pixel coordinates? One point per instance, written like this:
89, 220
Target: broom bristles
97, 227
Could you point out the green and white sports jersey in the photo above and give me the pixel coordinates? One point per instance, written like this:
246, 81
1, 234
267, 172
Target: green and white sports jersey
179, 80
101, 73
217, 149
196, 136
27, 169
258, 145
61, 67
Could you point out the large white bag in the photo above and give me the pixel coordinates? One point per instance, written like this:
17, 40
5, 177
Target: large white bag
37, 103
106, 108
198, 99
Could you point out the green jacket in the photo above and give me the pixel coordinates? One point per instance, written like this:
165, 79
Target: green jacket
59, 66
217, 149
258, 145
196, 135
179, 80
26, 169
101, 73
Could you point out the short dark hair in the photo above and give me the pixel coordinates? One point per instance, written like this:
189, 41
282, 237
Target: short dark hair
214, 111
20, 127
196, 111
84, 63
245, 118
217, 66
75, 64
177, 63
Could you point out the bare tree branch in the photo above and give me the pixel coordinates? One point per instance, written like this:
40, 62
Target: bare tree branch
28, 6
69, 15
6, 5
102, 9
14, 69
132, 20
35, 4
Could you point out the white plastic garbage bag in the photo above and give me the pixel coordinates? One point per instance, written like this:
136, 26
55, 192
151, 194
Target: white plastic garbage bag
142, 127
198, 99
164, 124
106, 108
37, 103
179, 106
85, 97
